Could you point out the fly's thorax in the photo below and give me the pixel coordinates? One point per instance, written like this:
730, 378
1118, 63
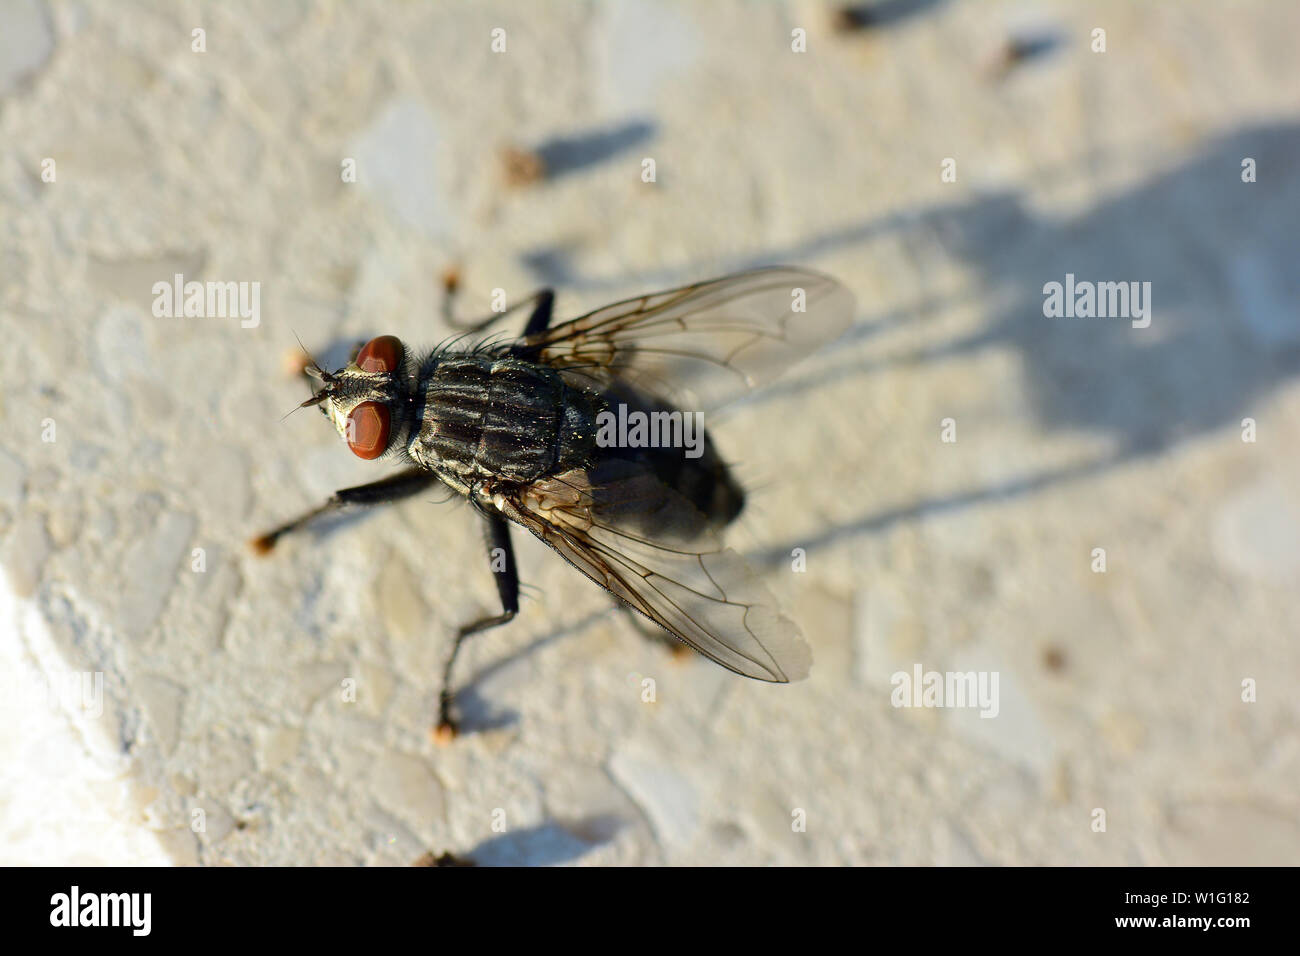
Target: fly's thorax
486, 417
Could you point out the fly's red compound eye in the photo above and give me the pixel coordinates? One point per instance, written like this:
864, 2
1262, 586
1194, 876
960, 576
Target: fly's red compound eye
368, 429
382, 354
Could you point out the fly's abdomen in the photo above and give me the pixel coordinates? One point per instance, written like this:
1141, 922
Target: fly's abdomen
499, 418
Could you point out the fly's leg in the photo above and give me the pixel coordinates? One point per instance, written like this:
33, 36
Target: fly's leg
652, 632
543, 299
404, 484
506, 571
543, 302
539, 321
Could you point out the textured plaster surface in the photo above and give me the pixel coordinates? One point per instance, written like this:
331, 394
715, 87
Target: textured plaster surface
223, 734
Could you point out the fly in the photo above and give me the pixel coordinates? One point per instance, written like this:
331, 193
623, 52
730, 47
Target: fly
516, 429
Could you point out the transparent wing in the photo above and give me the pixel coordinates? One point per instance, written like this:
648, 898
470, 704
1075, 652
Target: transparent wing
704, 344
641, 541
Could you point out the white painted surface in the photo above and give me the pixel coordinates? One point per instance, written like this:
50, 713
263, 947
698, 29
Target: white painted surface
223, 688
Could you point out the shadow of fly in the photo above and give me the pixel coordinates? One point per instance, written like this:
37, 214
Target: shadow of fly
518, 428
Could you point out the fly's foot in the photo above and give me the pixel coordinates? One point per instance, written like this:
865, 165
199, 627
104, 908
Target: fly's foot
451, 280
654, 633
522, 167
446, 859
445, 732
447, 729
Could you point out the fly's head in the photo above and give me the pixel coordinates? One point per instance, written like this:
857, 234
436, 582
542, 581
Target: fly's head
369, 400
